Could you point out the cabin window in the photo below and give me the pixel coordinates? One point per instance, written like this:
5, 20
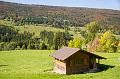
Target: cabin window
79, 61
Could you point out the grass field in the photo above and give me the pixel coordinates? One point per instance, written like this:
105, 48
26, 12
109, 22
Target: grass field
37, 29
35, 64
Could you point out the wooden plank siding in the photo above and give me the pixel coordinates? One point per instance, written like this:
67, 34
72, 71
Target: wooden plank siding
73, 67
59, 66
69, 66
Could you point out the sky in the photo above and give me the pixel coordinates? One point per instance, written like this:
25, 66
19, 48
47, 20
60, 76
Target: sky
103, 4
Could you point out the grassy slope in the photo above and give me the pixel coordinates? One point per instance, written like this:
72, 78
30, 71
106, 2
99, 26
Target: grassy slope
36, 29
33, 64
39, 28
31, 28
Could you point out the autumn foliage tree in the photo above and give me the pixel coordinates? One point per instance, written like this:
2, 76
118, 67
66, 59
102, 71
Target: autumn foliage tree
76, 43
107, 42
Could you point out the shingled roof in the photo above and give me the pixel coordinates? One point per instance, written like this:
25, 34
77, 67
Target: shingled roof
66, 52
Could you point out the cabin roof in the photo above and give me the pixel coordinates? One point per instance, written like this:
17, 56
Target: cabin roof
66, 52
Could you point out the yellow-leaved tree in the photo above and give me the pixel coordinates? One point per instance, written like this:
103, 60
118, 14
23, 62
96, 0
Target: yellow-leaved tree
76, 43
107, 42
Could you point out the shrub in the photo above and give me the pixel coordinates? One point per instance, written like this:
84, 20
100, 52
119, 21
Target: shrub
23, 47
31, 46
37, 46
10, 46
43, 46
18, 48
2, 46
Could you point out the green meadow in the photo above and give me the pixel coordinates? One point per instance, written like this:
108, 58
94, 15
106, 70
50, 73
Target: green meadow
36, 64
37, 29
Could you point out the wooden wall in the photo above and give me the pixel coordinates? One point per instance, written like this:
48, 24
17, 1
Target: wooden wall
72, 67
59, 66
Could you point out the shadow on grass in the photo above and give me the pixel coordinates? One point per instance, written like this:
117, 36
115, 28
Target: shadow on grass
103, 67
3, 65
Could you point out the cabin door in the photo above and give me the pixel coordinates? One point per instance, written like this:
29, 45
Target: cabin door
91, 62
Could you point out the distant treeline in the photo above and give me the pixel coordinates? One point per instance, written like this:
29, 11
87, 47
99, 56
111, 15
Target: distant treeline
58, 16
112, 24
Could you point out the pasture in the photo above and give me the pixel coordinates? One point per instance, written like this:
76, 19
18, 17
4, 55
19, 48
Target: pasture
36, 64
37, 29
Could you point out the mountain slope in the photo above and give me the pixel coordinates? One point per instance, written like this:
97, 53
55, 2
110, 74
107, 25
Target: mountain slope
77, 16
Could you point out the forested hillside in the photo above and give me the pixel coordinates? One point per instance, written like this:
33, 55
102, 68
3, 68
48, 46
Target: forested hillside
24, 26
58, 16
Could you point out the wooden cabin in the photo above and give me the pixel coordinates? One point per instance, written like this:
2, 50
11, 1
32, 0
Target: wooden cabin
74, 60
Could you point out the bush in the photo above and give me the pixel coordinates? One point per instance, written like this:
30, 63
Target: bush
23, 47
43, 46
37, 46
18, 48
10, 46
2, 46
113, 48
31, 46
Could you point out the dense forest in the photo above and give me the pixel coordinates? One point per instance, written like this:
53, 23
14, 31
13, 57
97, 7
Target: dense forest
11, 39
98, 29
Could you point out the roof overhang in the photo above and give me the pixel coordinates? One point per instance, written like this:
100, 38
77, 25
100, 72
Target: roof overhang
66, 52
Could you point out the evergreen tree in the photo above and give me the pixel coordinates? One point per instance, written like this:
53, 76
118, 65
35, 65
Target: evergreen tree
59, 40
92, 29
